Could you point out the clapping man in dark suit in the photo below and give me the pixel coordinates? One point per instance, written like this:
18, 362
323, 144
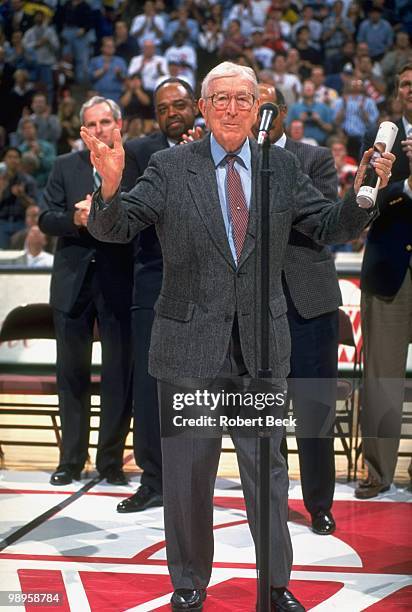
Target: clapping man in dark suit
91, 282
386, 308
201, 198
176, 111
314, 328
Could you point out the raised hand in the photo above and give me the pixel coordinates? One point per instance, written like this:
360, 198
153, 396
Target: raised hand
196, 133
108, 161
383, 167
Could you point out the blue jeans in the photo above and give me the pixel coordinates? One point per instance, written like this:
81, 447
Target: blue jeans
79, 49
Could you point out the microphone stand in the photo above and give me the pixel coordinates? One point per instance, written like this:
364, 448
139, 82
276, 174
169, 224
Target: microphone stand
264, 372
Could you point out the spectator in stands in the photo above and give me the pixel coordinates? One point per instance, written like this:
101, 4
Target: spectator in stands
315, 27
263, 55
19, 18
17, 192
133, 128
31, 218
148, 26
91, 281
42, 39
43, 151
337, 29
293, 61
375, 86
210, 40
355, 113
297, 132
316, 116
354, 12
70, 125
245, 13
362, 50
182, 54
323, 93
108, 71
76, 21
136, 102
309, 55
183, 22
376, 32
233, 42
288, 83
277, 31
149, 65
335, 62
289, 10
395, 58
15, 102
6, 73
345, 165
35, 255
20, 57
126, 44
47, 124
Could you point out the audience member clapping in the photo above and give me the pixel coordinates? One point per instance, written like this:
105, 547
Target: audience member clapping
108, 71
42, 151
47, 124
17, 192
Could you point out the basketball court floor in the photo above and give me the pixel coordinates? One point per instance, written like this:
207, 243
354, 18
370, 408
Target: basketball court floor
71, 541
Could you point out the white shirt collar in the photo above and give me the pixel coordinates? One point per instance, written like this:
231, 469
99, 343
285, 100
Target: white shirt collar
407, 126
282, 141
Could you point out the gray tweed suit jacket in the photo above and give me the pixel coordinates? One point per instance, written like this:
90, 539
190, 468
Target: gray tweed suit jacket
202, 287
309, 267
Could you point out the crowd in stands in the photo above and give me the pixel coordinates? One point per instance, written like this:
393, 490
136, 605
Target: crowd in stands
334, 62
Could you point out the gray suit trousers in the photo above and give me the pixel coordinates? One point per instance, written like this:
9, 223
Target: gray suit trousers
190, 467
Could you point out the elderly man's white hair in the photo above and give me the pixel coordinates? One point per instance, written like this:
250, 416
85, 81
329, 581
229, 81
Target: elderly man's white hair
228, 69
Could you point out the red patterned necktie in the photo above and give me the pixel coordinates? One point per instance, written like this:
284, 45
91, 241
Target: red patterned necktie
239, 213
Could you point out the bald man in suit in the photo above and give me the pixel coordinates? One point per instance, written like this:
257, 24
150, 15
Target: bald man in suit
313, 322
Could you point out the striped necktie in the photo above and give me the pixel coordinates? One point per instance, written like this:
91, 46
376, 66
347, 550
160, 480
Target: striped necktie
239, 213
97, 180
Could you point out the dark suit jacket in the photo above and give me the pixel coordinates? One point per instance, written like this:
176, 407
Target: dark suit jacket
309, 267
71, 179
389, 243
148, 262
202, 288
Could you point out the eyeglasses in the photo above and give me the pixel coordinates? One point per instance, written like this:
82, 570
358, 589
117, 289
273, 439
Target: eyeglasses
220, 101
403, 84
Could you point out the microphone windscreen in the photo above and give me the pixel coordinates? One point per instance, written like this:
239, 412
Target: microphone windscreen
268, 106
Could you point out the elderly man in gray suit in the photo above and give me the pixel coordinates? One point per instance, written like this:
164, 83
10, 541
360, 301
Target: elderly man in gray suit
202, 199
314, 329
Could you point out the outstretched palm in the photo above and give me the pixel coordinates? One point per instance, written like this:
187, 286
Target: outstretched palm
108, 161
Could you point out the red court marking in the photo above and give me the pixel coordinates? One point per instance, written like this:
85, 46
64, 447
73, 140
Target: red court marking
41, 581
401, 601
109, 592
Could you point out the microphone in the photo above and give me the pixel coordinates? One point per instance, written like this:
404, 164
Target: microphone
268, 113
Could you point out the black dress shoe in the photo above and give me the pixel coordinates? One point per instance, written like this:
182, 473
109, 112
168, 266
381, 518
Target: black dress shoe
187, 599
285, 602
64, 475
115, 476
323, 523
145, 497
